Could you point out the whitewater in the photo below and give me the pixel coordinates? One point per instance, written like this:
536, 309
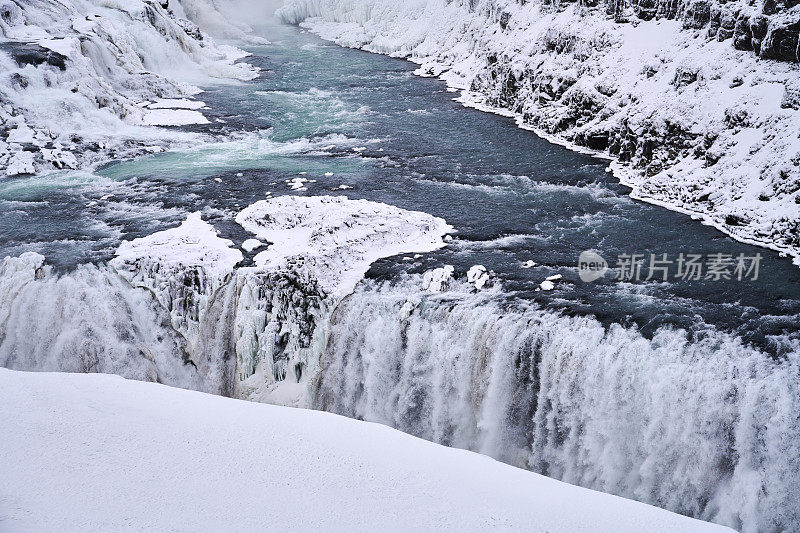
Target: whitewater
342, 235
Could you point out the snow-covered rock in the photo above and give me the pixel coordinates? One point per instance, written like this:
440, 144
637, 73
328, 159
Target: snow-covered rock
437, 279
193, 244
321, 247
673, 90
547, 285
478, 276
335, 238
74, 72
21, 163
251, 244
174, 117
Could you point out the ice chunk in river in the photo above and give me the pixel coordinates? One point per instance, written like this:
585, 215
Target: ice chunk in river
478, 276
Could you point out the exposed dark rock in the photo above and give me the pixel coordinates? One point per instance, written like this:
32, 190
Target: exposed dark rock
645, 9
734, 220
758, 29
781, 39
597, 140
504, 19
791, 97
684, 77
697, 14
18, 81
742, 36
33, 54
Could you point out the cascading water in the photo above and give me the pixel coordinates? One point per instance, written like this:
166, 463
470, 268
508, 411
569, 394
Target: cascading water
88, 321
705, 427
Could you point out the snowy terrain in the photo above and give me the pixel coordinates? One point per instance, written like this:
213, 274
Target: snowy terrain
99, 453
697, 100
337, 239
82, 80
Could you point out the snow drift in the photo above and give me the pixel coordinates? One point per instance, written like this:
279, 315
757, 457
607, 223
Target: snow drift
98, 453
697, 99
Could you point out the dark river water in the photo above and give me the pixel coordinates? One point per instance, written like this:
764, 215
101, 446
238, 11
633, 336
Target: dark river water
345, 117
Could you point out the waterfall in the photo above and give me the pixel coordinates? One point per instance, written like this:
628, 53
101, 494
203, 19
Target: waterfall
700, 424
88, 321
705, 426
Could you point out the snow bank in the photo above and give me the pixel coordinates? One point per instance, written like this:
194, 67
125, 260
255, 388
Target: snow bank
698, 125
72, 75
98, 453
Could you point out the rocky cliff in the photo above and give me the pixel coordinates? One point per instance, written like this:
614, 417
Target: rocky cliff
76, 78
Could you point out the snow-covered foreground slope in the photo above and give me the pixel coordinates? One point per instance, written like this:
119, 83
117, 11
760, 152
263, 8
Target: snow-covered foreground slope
77, 77
699, 124
99, 453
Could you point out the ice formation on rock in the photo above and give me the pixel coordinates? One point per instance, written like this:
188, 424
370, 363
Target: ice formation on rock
438, 279
74, 74
478, 276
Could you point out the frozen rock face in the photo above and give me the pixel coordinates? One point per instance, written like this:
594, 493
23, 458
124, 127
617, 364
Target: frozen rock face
188, 269
321, 247
74, 74
686, 95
